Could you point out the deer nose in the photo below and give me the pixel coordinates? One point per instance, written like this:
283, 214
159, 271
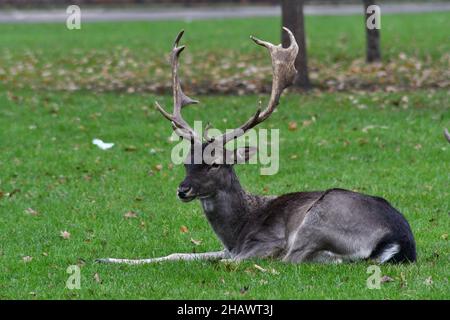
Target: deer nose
183, 191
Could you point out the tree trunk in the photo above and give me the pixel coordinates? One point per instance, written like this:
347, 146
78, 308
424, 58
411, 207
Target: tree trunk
373, 52
292, 18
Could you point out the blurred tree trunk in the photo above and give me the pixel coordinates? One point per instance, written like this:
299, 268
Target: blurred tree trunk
292, 18
373, 52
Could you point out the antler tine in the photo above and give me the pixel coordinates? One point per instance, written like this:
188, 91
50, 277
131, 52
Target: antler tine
283, 69
447, 135
180, 100
283, 72
236, 133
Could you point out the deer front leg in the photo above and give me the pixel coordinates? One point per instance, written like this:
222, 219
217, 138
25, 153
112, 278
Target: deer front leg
216, 255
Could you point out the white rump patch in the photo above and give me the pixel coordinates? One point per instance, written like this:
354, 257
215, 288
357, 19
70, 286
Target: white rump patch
389, 252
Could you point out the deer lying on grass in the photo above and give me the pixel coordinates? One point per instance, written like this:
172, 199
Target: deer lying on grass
323, 226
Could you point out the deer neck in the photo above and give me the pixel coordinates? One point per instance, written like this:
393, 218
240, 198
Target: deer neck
229, 210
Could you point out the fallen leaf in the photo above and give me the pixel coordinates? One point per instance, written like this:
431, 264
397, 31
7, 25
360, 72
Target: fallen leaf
130, 214
158, 167
386, 279
97, 278
130, 148
184, 229
32, 212
196, 242
27, 259
306, 123
428, 281
260, 268
292, 126
64, 234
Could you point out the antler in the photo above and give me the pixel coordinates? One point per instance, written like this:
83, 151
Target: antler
180, 100
284, 72
447, 135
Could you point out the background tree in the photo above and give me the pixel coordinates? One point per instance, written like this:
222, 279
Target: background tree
373, 52
292, 18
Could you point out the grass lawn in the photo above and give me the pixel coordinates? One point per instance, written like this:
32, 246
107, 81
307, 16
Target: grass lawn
53, 179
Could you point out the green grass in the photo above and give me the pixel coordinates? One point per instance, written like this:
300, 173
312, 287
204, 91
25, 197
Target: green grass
76, 187
111, 56
48, 163
330, 38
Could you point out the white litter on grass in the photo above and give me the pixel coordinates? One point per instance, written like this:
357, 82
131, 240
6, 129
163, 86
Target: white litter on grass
102, 145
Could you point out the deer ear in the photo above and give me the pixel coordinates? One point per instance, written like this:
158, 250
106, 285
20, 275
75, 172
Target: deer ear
242, 155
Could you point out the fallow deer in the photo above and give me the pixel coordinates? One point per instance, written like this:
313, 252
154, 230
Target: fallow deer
335, 225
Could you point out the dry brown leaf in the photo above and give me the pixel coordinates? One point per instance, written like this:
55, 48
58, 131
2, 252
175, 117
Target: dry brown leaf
130, 148
97, 278
130, 215
292, 126
306, 123
184, 229
386, 279
158, 167
32, 212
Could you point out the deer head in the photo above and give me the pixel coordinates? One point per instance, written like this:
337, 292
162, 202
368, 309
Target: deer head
214, 170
